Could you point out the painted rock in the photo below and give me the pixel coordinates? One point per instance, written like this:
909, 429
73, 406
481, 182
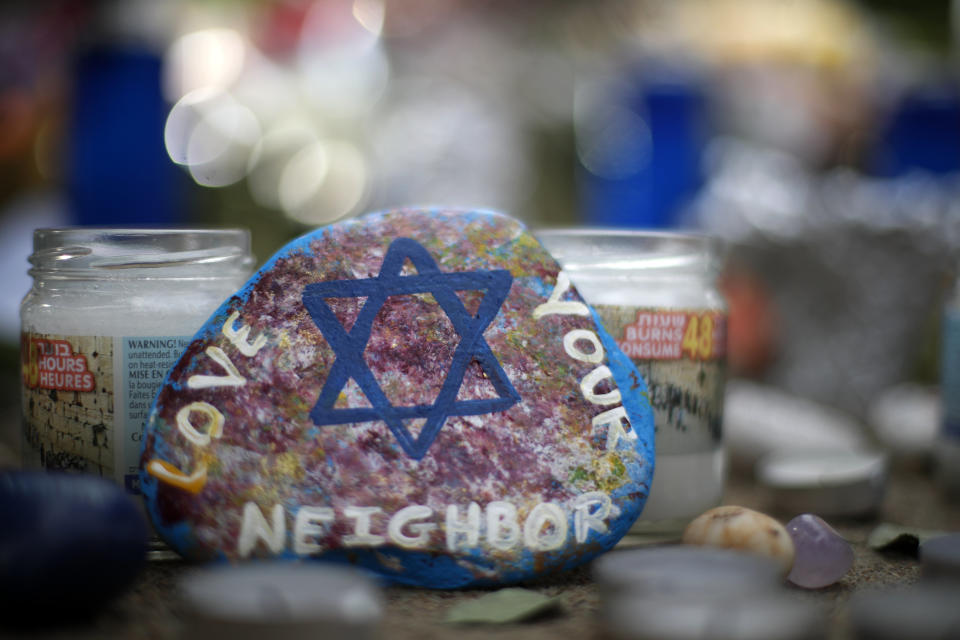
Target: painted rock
417, 392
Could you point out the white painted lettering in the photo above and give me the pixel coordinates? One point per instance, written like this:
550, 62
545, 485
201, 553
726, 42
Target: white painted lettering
457, 527
309, 523
238, 338
570, 346
591, 380
545, 528
551, 517
406, 517
232, 379
584, 520
361, 529
613, 420
503, 531
554, 305
255, 528
214, 423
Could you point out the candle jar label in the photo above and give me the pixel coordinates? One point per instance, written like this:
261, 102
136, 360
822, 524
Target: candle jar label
86, 398
682, 356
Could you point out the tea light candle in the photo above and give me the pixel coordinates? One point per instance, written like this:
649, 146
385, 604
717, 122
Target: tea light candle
684, 569
766, 616
940, 558
828, 483
905, 420
759, 420
656, 294
280, 601
699, 593
918, 613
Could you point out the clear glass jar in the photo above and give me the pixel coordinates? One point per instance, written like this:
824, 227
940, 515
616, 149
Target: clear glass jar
110, 311
657, 296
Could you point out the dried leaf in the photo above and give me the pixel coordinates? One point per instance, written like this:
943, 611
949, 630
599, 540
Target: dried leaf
895, 537
502, 607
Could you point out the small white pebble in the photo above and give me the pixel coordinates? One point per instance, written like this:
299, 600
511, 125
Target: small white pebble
733, 527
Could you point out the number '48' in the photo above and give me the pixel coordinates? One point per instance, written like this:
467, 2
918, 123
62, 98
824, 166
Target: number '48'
698, 336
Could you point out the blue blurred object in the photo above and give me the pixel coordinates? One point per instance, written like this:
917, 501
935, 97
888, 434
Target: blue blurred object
68, 544
674, 110
923, 134
118, 169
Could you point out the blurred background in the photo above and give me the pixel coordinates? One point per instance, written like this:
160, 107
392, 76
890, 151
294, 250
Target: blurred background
820, 138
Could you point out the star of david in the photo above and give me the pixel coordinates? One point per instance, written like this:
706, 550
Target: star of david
348, 346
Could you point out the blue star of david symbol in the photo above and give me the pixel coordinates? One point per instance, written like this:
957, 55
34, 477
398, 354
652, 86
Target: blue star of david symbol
348, 346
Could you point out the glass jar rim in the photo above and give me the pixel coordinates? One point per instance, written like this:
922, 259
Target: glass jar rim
593, 248
75, 251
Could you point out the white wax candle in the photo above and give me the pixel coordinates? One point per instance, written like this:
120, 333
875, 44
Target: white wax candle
281, 602
918, 612
828, 483
940, 559
685, 592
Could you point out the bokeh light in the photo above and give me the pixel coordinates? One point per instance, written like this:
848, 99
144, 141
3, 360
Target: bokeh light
323, 182
276, 148
613, 141
442, 142
340, 61
213, 135
202, 59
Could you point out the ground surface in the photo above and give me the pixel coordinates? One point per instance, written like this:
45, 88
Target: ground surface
150, 609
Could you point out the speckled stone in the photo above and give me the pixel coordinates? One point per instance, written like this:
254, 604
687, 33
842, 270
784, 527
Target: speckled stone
822, 555
419, 392
733, 527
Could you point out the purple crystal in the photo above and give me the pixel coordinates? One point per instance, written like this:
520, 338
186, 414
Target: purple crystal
822, 555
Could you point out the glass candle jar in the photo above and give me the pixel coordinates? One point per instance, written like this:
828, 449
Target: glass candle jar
657, 296
109, 312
